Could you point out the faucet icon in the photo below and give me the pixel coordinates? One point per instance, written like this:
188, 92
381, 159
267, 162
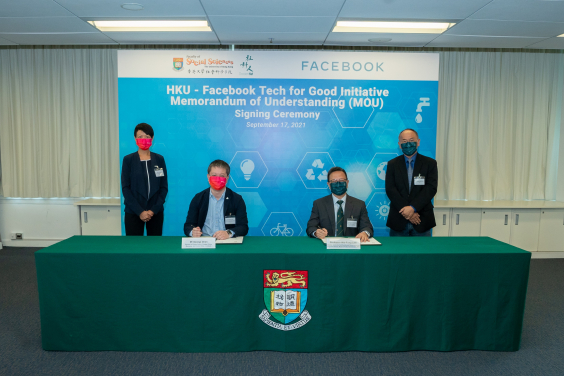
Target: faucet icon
424, 102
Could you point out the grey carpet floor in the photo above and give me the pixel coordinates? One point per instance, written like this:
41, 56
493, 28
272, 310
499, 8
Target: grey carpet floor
542, 346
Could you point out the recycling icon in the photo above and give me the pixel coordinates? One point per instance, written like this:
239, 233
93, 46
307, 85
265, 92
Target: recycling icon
311, 175
314, 168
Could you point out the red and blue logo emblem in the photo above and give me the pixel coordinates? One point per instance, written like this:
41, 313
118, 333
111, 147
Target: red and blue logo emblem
285, 298
177, 63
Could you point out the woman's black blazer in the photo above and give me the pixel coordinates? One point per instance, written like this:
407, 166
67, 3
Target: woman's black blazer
135, 186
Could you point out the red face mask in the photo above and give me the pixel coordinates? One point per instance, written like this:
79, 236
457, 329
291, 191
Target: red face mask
144, 143
217, 182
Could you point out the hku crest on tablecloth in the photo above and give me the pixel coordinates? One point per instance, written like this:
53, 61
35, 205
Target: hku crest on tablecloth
285, 298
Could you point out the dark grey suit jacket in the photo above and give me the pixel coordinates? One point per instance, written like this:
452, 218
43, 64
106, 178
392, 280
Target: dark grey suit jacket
323, 215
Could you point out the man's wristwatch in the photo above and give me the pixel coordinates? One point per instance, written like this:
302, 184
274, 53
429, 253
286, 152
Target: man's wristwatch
229, 232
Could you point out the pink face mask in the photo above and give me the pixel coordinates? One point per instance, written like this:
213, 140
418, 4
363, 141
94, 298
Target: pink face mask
144, 143
217, 182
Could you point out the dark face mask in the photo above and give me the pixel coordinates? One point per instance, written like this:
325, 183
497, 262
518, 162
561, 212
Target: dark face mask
409, 148
339, 188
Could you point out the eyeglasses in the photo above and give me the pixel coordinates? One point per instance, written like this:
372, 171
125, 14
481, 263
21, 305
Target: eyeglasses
220, 175
338, 180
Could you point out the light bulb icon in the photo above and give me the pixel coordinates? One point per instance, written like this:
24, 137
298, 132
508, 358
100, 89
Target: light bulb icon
247, 166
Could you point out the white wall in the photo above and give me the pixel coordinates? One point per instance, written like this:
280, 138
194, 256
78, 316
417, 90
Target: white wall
42, 222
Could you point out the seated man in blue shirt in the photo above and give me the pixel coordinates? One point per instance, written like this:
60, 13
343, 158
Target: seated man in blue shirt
217, 211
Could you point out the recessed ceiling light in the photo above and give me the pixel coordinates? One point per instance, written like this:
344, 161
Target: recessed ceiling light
391, 27
379, 40
132, 6
151, 25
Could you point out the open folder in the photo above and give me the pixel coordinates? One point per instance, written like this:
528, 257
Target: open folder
370, 241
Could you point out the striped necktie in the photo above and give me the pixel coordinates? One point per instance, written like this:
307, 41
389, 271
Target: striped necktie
340, 219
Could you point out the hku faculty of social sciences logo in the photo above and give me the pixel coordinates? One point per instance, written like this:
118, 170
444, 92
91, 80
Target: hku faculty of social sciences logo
285, 297
177, 63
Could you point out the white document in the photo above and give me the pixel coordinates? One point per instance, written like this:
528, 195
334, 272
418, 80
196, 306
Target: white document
370, 241
342, 243
237, 240
198, 243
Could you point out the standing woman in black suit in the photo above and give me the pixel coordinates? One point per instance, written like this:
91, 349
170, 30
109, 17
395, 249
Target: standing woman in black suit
144, 185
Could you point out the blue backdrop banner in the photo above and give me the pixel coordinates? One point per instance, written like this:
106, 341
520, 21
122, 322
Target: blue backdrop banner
281, 120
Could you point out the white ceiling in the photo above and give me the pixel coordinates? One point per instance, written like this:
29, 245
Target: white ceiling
479, 23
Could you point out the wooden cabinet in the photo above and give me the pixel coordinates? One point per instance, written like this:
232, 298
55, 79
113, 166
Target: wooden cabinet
100, 220
496, 223
465, 222
525, 224
551, 231
100, 216
442, 218
534, 225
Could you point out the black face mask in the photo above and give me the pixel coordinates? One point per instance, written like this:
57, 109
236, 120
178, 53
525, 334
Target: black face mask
339, 188
409, 148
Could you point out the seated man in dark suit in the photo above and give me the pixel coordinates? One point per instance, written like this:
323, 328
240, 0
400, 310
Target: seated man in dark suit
411, 184
217, 211
339, 214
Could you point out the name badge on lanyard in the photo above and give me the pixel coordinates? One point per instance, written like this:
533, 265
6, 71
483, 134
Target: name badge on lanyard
230, 220
419, 180
351, 222
159, 172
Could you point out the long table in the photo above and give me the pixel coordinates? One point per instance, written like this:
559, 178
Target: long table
148, 294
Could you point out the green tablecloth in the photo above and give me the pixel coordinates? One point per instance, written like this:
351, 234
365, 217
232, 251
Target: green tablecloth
147, 294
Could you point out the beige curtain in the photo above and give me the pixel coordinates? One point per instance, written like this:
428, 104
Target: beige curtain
498, 125
497, 135
59, 123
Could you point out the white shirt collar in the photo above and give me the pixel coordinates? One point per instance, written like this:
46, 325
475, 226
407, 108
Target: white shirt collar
335, 199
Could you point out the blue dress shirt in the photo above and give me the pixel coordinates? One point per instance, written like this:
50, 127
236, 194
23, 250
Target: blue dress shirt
214, 220
407, 160
412, 159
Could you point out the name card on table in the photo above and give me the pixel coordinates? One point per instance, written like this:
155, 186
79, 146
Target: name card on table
198, 243
343, 243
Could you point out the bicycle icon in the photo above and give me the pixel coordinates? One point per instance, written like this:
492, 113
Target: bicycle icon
281, 230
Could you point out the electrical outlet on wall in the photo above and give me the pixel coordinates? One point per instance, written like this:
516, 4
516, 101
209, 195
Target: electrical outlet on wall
16, 236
